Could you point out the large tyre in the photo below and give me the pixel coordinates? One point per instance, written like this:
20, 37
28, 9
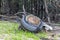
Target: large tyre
27, 25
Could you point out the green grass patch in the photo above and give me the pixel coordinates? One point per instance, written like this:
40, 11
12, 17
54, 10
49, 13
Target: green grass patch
9, 31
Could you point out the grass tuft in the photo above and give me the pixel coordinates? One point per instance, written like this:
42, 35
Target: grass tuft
9, 31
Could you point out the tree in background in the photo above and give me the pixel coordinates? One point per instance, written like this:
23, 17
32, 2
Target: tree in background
9, 7
36, 7
5, 7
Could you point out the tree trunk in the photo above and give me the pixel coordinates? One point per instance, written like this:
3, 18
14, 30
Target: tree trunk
46, 10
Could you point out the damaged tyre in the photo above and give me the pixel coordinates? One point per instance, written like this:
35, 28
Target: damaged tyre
31, 23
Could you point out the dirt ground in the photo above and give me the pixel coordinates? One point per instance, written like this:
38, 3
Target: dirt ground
53, 35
